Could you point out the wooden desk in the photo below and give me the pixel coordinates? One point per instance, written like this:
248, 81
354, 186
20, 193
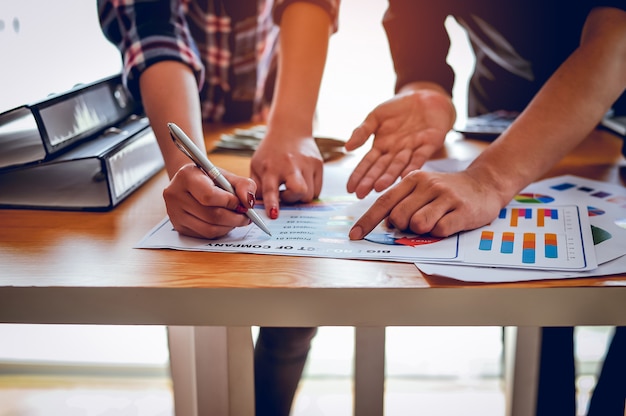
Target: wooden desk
81, 268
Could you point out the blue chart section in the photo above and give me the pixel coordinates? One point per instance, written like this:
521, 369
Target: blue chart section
551, 246
528, 248
508, 240
564, 186
486, 241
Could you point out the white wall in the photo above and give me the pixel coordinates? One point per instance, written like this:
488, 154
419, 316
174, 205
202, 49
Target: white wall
49, 46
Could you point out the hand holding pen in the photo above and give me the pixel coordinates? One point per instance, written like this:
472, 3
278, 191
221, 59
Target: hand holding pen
186, 145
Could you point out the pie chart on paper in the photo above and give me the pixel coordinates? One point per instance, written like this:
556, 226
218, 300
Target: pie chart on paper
593, 211
528, 198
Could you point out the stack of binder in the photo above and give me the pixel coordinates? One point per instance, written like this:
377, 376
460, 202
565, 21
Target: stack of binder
85, 149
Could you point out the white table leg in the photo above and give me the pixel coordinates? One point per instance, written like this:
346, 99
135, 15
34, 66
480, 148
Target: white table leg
521, 369
369, 371
212, 370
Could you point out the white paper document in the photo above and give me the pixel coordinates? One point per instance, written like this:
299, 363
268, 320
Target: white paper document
501, 275
318, 229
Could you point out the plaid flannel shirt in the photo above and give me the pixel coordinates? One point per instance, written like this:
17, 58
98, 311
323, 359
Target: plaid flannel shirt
229, 44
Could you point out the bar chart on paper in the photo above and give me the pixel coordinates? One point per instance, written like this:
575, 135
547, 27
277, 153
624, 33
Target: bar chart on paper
529, 236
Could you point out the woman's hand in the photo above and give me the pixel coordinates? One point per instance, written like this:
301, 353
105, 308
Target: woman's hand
295, 163
199, 208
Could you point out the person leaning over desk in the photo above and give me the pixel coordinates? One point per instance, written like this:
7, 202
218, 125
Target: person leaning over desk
562, 65
217, 60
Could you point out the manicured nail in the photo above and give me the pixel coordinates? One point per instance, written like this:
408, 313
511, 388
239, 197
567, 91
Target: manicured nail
241, 209
273, 213
251, 200
356, 233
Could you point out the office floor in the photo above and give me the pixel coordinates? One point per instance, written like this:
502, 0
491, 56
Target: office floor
82, 397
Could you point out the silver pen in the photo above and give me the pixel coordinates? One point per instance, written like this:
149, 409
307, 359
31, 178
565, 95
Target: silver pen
188, 147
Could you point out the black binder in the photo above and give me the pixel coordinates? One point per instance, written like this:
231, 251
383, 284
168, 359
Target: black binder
38, 131
95, 175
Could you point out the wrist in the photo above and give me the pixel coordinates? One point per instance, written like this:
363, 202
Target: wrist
488, 174
290, 125
174, 163
436, 96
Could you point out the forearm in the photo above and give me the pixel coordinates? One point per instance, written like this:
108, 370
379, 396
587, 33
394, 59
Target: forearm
305, 30
169, 94
565, 110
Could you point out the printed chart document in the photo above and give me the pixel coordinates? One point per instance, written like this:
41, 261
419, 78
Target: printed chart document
318, 229
533, 232
604, 205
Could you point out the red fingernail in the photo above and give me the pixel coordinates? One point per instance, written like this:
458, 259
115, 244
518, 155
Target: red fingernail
241, 209
274, 213
251, 199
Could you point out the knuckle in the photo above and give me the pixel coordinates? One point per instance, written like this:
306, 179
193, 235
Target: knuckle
420, 225
167, 193
385, 199
414, 177
438, 186
442, 229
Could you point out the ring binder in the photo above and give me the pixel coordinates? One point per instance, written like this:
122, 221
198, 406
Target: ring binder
95, 176
39, 131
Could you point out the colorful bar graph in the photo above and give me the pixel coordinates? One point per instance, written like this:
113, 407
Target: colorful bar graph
542, 213
551, 247
506, 247
486, 241
528, 248
517, 213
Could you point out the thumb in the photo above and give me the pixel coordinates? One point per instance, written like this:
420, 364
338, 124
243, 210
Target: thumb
363, 132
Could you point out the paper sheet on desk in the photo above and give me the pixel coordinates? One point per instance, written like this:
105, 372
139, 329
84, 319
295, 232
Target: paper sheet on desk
501, 275
320, 229
323, 233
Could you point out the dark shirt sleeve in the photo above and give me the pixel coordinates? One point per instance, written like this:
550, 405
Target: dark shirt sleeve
418, 42
147, 32
330, 6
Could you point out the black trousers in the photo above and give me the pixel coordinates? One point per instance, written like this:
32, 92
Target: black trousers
557, 390
279, 358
